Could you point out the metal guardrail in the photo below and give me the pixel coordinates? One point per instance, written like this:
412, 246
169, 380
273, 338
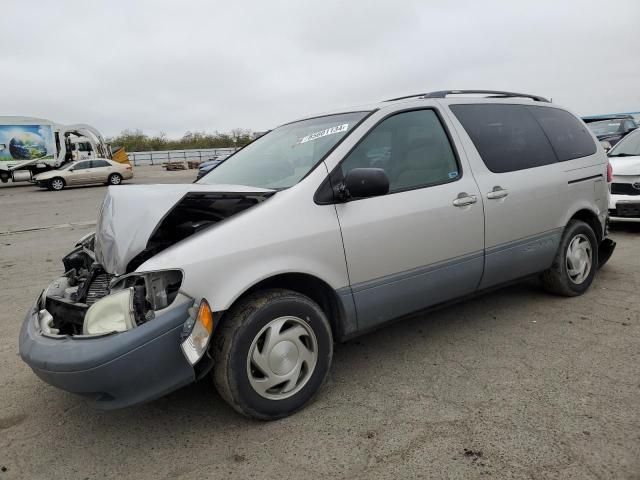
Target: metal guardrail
169, 156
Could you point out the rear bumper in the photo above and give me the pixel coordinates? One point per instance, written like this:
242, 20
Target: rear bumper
111, 371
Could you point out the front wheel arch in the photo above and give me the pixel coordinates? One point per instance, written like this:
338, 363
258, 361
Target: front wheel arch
313, 287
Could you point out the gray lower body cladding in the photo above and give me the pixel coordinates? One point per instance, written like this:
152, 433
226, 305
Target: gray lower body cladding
393, 296
112, 371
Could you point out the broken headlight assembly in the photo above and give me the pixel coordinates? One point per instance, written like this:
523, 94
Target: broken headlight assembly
113, 313
132, 301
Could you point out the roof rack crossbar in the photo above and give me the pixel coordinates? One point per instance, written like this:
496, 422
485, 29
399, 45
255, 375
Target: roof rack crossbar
489, 93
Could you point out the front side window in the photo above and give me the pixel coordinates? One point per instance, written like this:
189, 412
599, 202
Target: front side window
568, 136
282, 157
507, 137
628, 146
411, 147
82, 165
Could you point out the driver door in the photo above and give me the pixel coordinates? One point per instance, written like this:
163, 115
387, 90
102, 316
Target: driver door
81, 173
422, 243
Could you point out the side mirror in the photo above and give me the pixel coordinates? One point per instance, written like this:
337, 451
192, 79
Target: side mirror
606, 145
366, 182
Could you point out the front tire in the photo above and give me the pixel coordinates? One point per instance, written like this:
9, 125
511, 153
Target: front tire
575, 264
114, 179
56, 184
272, 353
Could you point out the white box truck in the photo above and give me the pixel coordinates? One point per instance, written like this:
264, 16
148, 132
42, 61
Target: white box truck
32, 145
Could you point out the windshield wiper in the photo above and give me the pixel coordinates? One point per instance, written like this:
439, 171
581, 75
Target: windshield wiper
623, 155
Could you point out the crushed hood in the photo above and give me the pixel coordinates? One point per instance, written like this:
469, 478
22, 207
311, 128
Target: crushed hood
138, 221
625, 165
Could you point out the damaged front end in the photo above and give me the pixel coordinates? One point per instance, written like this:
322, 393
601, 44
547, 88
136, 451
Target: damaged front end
101, 291
109, 330
87, 300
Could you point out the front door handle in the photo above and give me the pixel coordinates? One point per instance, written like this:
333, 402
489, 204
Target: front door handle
497, 192
464, 199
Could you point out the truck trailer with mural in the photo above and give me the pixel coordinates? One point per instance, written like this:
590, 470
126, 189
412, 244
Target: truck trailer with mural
29, 146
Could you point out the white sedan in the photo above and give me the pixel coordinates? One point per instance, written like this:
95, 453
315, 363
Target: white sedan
625, 188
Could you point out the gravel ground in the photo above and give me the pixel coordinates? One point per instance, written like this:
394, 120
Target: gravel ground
512, 384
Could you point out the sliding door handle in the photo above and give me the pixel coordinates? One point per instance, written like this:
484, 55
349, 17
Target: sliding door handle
496, 193
464, 199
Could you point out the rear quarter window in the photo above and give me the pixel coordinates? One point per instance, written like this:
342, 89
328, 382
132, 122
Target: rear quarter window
569, 137
507, 137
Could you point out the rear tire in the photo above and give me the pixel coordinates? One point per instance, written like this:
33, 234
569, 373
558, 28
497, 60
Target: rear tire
272, 353
114, 179
56, 184
576, 261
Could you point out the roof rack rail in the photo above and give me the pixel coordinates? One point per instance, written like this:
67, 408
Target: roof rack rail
489, 93
417, 95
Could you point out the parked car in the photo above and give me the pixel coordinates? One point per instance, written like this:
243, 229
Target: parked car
206, 167
610, 129
296, 241
625, 189
85, 172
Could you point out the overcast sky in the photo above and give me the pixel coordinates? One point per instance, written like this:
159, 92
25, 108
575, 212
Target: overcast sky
174, 66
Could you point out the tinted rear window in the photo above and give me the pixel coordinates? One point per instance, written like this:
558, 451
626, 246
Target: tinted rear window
568, 136
508, 137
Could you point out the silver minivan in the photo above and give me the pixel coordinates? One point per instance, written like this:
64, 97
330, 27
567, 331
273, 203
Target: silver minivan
318, 231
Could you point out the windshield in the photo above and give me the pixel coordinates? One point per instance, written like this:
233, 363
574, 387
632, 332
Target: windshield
282, 157
605, 127
67, 167
628, 146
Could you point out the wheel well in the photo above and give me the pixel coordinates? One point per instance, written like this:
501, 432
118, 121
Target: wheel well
317, 290
590, 219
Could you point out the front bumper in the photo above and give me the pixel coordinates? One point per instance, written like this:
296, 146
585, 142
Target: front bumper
116, 370
624, 207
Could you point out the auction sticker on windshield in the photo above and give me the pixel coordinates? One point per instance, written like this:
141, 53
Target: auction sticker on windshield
324, 133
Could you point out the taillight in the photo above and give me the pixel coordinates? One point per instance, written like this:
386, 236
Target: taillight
609, 173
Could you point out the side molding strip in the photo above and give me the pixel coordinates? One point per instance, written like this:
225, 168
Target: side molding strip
584, 179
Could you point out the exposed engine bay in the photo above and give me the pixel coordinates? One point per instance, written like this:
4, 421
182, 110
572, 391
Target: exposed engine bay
88, 299
69, 298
